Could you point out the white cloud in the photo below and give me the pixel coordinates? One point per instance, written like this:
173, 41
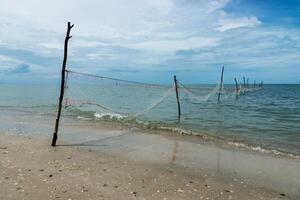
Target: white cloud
175, 45
228, 23
87, 43
7, 61
99, 56
216, 4
93, 17
53, 45
5, 58
56, 45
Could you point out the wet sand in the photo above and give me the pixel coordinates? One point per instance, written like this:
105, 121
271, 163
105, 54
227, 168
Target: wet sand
31, 169
108, 161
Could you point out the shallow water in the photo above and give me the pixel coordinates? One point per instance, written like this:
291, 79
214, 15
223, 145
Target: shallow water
266, 119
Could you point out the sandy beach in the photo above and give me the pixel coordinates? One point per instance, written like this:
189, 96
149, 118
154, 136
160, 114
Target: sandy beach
31, 169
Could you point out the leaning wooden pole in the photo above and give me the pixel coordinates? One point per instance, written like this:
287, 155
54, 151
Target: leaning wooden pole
62, 86
221, 84
177, 96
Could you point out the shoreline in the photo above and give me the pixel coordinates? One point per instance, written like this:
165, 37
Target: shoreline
230, 142
233, 143
33, 170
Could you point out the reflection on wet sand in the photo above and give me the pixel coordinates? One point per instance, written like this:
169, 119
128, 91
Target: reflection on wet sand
280, 174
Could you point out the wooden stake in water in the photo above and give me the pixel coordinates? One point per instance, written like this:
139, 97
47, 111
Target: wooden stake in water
177, 96
221, 84
244, 81
236, 86
62, 87
254, 84
236, 89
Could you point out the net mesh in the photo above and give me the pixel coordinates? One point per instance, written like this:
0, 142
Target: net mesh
204, 94
113, 96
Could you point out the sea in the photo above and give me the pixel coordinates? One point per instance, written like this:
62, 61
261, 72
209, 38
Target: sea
264, 119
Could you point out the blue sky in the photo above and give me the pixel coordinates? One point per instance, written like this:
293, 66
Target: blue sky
151, 41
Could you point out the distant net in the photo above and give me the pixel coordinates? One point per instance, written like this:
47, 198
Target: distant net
204, 94
110, 96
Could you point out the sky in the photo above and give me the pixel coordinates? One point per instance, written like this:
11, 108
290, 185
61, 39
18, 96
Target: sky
152, 40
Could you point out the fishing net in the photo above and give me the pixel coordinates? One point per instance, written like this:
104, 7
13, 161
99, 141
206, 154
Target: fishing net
105, 96
202, 94
110, 96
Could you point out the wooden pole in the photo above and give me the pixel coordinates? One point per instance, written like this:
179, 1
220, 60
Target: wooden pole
62, 87
177, 96
221, 84
254, 84
244, 81
236, 86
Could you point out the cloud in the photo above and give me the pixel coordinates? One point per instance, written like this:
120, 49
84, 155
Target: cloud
176, 45
141, 35
4, 58
53, 45
109, 19
98, 56
226, 23
18, 69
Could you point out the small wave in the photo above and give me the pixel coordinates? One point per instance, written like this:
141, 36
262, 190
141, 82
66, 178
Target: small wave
263, 150
84, 118
109, 116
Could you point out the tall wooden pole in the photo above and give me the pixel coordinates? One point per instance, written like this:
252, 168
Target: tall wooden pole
254, 84
62, 87
221, 84
244, 82
177, 96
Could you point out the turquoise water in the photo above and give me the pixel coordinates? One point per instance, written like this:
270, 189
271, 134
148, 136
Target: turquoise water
266, 120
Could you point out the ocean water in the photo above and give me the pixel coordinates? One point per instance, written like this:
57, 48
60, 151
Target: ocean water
266, 119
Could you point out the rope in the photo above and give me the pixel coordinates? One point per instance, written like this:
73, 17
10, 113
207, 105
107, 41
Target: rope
116, 79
